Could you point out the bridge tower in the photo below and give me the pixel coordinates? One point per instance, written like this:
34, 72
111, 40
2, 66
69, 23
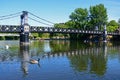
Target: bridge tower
105, 34
24, 34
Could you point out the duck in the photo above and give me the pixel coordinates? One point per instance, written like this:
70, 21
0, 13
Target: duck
32, 61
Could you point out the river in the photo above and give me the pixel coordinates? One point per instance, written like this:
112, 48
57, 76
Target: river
60, 60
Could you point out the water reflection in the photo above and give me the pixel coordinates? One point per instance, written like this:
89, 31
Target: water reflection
25, 57
61, 58
92, 60
83, 57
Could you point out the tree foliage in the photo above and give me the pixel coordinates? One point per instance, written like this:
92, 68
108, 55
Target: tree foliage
84, 19
119, 22
112, 23
98, 16
112, 26
60, 25
79, 18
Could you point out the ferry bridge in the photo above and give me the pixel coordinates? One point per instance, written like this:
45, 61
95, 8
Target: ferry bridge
24, 28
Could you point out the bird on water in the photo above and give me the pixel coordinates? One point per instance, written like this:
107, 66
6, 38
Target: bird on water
7, 46
32, 61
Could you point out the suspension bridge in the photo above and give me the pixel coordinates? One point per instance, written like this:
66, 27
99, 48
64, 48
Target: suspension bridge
24, 29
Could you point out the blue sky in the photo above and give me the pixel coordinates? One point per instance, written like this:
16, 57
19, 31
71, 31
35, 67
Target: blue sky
56, 11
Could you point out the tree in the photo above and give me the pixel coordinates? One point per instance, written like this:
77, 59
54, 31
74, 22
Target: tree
79, 18
70, 24
82, 19
60, 25
112, 26
35, 35
98, 16
112, 23
119, 22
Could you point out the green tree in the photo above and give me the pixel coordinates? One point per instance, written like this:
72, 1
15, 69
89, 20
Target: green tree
70, 24
35, 35
112, 26
40, 34
98, 16
119, 22
60, 25
112, 23
79, 18
2, 37
82, 19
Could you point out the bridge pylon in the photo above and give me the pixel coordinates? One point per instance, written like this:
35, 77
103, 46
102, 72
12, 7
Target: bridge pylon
105, 34
25, 28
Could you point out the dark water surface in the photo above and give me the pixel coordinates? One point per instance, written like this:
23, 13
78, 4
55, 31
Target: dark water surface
59, 60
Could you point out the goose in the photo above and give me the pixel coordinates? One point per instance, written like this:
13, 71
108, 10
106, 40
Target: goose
32, 61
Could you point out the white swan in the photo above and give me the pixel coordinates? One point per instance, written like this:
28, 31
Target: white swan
6, 46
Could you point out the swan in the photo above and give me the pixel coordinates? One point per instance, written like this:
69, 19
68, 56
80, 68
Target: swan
32, 61
6, 46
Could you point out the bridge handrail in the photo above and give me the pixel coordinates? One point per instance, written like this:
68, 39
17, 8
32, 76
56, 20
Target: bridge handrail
33, 29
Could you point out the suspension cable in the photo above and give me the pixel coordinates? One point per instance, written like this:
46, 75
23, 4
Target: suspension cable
10, 14
9, 17
41, 18
39, 21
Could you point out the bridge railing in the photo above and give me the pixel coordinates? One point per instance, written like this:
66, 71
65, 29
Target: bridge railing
9, 29
36, 29
61, 30
113, 33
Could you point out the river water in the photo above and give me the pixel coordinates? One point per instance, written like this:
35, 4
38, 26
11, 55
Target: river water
59, 60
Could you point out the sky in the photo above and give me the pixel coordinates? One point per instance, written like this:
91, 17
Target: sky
56, 11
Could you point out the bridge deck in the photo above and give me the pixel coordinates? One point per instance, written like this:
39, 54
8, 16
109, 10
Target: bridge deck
36, 29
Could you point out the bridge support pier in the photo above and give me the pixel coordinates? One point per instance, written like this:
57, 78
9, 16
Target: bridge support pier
105, 34
24, 34
24, 38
